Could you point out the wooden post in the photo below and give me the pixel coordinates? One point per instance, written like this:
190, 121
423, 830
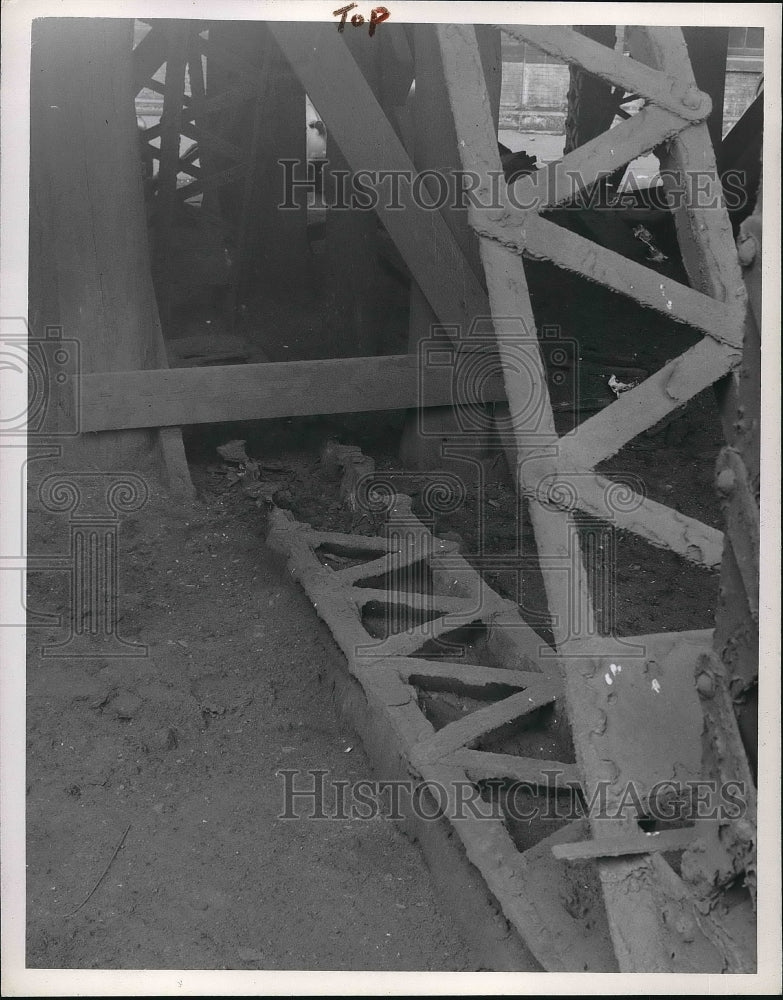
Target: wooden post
351, 234
170, 129
280, 131
87, 180
268, 127
428, 432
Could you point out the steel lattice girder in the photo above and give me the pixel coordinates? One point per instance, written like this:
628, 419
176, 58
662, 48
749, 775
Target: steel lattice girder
656, 922
534, 888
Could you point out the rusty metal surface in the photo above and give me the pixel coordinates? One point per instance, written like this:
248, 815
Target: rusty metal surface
537, 892
728, 680
391, 674
657, 918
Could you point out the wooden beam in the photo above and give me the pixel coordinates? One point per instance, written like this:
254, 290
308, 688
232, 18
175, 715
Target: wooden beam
220, 393
85, 170
368, 142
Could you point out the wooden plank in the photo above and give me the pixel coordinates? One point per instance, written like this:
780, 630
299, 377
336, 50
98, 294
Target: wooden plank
605, 433
367, 140
169, 397
614, 67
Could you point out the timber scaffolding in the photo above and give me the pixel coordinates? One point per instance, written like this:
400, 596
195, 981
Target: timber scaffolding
683, 900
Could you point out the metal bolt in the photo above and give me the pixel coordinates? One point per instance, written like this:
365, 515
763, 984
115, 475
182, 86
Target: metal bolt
747, 248
705, 685
693, 98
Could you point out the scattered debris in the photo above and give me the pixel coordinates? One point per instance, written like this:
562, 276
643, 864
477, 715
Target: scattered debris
103, 874
233, 451
653, 253
619, 387
354, 465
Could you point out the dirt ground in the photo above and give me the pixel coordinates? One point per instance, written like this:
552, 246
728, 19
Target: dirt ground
183, 748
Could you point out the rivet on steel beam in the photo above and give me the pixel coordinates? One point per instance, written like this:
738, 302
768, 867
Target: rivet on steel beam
705, 684
694, 98
747, 248
726, 481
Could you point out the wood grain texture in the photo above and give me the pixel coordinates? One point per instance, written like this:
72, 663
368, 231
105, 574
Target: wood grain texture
368, 142
219, 393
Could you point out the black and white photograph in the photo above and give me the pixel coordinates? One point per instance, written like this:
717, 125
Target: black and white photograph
389, 457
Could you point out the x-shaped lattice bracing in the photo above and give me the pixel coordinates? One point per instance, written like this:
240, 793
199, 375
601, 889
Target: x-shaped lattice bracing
646, 901
529, 885
675, 110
